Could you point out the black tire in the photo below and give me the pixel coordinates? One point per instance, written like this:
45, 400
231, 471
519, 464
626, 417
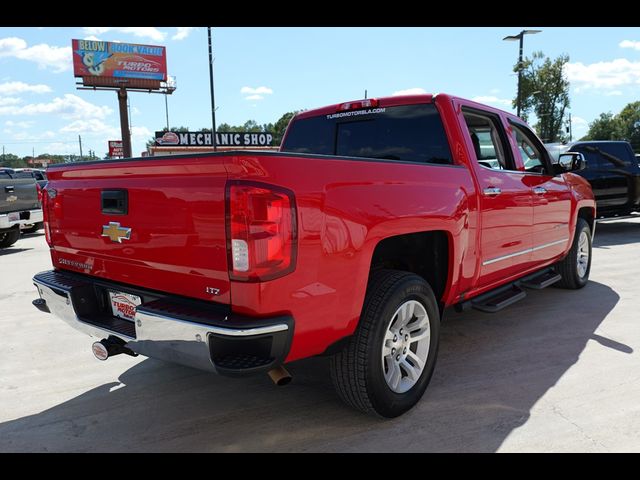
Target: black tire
568, 267
9, 238
357, 370
34, 229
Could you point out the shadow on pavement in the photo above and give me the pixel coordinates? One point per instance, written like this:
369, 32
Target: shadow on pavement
616, 233
7, 251
491, 371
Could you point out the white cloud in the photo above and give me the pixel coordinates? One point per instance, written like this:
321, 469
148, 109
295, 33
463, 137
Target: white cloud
70, 107
92, 37
59, 148
629, 44
141, 132
603, 75
11, 88
490, 99
142, 32
92, 126
409, 91
613, 93
31, 137
11, 123
4, 101
45, 56
578, 126
183, 32
256, 91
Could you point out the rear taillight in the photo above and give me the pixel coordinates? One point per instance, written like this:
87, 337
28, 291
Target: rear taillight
46, 196
261, 231
39, 190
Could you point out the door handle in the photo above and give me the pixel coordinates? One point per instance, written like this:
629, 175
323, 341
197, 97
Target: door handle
539, 190
492, 191
9, 188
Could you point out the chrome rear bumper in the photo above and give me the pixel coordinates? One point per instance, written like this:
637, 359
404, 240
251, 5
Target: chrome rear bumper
183, 331
26, 217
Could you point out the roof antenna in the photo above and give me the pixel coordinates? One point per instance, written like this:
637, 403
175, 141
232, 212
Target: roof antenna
365, 94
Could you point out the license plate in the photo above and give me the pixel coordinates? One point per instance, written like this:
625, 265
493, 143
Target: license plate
14, 216
124, 305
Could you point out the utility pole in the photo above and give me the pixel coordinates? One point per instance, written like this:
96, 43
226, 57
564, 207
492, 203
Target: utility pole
80, 142
213, 103
570, 129
365, 94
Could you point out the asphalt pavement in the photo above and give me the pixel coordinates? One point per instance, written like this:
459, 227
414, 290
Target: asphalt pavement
556, 372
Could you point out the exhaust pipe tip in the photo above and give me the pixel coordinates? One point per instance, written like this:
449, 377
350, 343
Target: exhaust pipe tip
100, 351
280, 376
108, 347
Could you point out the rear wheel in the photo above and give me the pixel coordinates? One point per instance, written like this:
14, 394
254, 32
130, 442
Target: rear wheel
9, 238
388, 362
575, 267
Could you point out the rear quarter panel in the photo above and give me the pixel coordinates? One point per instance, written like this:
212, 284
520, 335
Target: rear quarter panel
345, 207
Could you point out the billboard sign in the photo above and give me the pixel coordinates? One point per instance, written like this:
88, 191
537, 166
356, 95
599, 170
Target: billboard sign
223, 139
93, 58
115, 148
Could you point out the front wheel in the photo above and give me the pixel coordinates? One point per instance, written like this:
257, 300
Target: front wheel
389, 361
575, 267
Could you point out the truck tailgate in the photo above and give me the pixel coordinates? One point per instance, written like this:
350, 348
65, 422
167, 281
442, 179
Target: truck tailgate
18, 194
175, 211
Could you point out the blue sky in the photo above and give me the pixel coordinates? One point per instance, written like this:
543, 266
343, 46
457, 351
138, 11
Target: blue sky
261, 73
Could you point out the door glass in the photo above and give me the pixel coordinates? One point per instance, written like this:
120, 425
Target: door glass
529, 151
486, 140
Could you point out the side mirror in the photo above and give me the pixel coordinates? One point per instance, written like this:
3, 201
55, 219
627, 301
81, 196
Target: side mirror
570, 162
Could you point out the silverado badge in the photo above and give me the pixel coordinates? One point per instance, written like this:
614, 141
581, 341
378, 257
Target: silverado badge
115, 232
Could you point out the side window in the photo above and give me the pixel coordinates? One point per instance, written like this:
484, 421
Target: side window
487, 141
531, 152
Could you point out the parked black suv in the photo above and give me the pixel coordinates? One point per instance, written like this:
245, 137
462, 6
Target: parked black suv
613, 172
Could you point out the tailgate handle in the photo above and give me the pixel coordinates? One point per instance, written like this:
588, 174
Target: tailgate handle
115, 202
9, 188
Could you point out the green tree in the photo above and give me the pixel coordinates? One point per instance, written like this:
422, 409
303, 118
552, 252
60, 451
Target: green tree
603, 128
281, 126
545, 91
628, 125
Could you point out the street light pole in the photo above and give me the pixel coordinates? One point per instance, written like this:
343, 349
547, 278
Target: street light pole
213, 103
520, 38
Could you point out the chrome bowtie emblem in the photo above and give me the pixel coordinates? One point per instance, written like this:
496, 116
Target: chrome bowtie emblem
115, 232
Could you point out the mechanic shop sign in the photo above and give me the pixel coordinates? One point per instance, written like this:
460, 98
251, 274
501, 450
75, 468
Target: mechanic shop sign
223, 139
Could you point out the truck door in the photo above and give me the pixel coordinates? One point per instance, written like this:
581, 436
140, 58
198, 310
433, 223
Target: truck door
614, 186
551, 196
506, 210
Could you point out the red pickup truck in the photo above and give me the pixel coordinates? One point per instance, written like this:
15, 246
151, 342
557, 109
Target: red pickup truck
374, 216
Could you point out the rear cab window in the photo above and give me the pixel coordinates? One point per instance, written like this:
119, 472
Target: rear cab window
406, 133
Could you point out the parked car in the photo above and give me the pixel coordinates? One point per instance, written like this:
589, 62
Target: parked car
613, 171
19, 205
349, 242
